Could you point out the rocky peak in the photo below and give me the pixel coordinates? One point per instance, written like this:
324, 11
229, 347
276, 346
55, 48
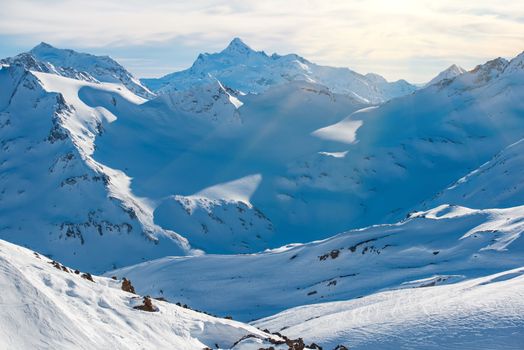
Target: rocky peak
237, 46
489, 70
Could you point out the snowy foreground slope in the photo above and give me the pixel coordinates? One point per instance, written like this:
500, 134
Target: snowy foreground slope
46, 305
483, 313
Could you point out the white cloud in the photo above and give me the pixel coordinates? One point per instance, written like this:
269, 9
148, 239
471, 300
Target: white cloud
402, 38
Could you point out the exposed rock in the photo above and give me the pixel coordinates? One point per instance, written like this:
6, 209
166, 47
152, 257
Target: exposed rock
87, 276
147, 305
127, 286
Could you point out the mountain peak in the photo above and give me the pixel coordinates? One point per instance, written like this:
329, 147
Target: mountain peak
516, 65
491, 68
448, 73
456, 68
238, 46
43, 46
83, 66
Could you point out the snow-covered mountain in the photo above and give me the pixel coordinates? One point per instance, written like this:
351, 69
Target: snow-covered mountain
243, 69
210, 101
68, 63
54, 196
209, 168
242, 156
244, 152
46, 305
324, 166
447, 74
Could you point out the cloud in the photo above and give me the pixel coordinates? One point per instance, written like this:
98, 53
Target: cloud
388, 37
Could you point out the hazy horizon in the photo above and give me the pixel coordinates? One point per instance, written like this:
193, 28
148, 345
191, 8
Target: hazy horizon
412, 40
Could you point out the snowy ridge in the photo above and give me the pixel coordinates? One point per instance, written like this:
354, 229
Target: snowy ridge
220, 217
30, 62
208, 100
480, 76
515, 66
223, 226
68, 63
241, 68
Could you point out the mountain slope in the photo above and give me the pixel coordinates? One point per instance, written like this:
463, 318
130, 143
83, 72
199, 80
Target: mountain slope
483, 313
442, 245
179, 152
54, 196
407, 149
241, 68
47, 305
497, 183
66, 309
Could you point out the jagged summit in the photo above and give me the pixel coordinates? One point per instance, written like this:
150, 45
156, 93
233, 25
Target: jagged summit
454, 67
79, 65
448, 73
497, 64
68, 57
29, 62
45, 51
56, 56
241, 68
486, 72
238, 46
42, 45
516, 65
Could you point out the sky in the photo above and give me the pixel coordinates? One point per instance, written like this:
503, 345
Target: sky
399, 39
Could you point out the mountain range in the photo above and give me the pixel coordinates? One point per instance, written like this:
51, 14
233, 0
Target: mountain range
298, 194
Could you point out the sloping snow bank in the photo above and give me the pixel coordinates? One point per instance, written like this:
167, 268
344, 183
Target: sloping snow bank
45, 305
